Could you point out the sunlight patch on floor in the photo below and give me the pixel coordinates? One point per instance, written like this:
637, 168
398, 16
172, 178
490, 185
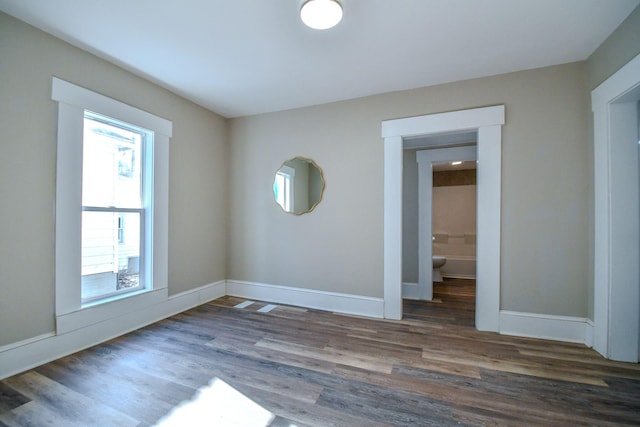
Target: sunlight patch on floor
218, 404
244, 304
267, 308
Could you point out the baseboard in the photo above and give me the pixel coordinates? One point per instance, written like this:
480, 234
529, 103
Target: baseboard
546, 326
410, 291
26, 342
27, 354
309, 298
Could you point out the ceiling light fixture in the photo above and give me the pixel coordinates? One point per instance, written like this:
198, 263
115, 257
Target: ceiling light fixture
321, 14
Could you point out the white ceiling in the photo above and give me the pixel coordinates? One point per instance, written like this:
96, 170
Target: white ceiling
243, 57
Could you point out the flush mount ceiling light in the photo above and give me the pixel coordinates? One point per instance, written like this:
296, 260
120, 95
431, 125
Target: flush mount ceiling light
321, 14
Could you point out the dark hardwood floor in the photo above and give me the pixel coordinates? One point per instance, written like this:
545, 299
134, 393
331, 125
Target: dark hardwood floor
222, 365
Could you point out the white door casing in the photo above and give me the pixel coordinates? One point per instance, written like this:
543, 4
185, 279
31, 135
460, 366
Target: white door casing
488, 123
616, 291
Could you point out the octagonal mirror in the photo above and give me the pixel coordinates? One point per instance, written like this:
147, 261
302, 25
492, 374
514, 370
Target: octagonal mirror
298, 185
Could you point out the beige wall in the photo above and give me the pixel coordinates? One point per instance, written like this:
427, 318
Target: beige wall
28, 119
338, 247
619, 48
454, 219
320, 250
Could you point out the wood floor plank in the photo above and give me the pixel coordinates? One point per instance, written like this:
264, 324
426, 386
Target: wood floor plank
122, 388
311, 363
514, 367
493, 401
390, 407
10, 398
329, 355
54, 404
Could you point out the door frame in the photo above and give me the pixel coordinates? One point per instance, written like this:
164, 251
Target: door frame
616, 274
487, 121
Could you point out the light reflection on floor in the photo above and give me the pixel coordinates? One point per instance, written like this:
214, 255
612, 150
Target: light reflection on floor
218, 404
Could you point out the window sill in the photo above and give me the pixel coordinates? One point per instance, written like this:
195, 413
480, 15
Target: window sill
114, 298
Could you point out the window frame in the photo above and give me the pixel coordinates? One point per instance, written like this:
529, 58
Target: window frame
144, 211
71, 313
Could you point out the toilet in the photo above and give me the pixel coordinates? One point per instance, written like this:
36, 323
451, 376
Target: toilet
438, 261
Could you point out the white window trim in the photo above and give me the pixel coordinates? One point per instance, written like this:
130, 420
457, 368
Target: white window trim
72, 101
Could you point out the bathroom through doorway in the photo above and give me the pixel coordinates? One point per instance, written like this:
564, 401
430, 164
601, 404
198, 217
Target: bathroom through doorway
453, 153
439, 217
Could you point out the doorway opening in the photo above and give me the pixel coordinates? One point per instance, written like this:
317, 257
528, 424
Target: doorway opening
439, 230
487, 124
421, 168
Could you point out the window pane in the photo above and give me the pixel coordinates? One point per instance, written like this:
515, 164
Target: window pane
110, 253
111, 165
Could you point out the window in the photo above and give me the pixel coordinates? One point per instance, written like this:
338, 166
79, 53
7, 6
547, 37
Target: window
111, 207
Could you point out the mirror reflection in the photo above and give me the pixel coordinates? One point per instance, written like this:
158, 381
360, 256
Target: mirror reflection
298, 185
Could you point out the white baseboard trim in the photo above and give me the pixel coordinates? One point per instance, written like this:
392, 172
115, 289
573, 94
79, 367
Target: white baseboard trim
410, 290
546, 326
309, 298
27, 354
26, 342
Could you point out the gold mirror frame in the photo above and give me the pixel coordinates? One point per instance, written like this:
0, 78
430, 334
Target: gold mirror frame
285, 185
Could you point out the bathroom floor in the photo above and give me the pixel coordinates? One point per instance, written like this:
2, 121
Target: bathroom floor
454, 302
